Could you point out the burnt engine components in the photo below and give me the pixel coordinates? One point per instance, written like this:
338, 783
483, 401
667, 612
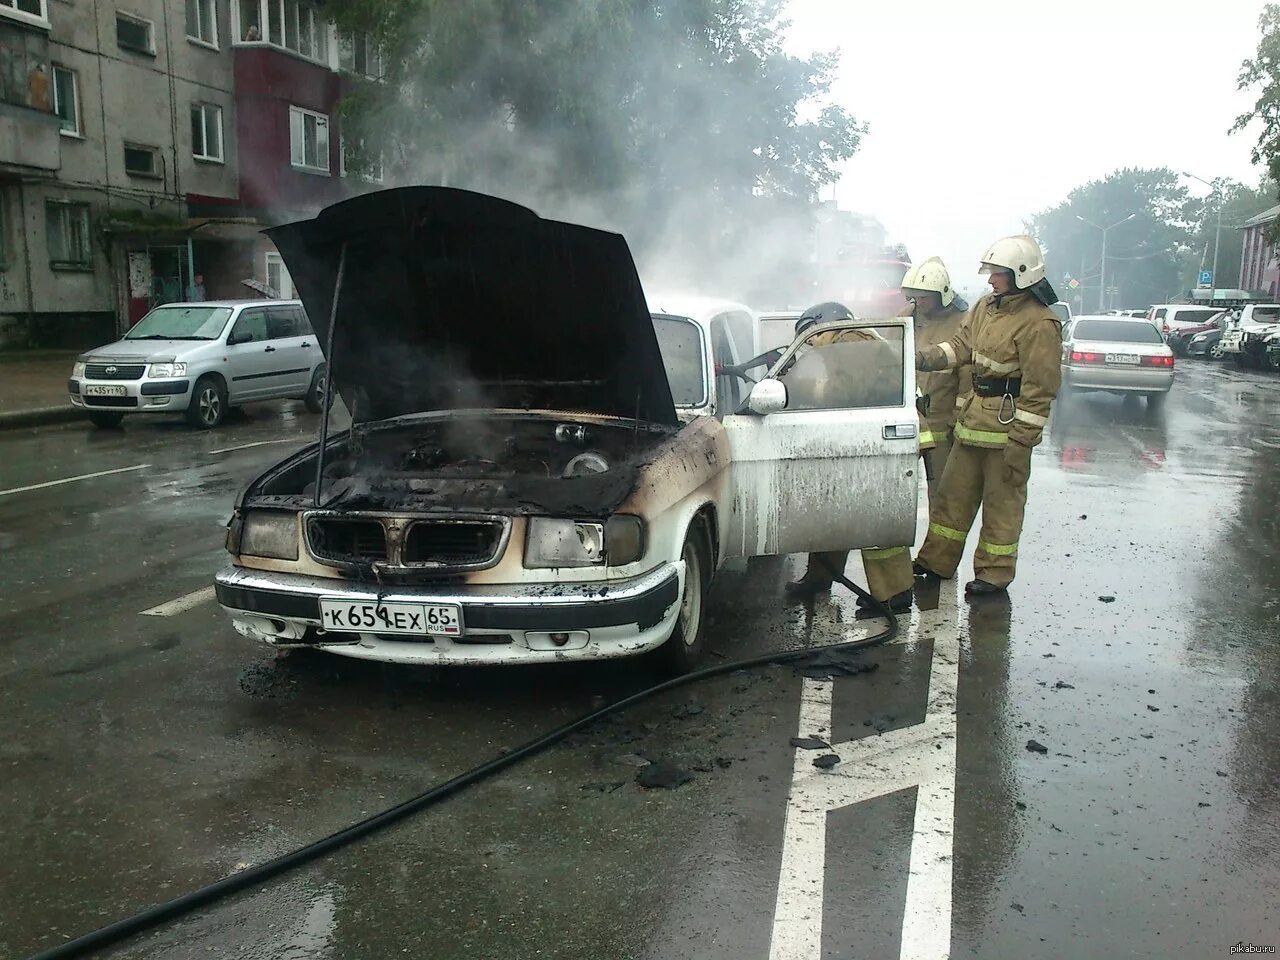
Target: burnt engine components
572, 433
585, 464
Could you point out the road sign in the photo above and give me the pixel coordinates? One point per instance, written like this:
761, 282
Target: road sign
1206, 278
1073, 283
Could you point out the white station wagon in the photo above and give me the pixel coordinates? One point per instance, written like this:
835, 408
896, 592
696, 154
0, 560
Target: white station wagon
200, 359
518, 484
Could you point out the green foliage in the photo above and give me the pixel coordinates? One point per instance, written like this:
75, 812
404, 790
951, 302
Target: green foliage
1239, 203
1263, 74
1145, 256
626, 113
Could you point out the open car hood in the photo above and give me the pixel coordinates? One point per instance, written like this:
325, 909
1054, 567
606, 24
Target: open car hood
457, 300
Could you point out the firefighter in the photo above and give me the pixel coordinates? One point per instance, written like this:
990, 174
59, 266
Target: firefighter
1014, 342
938, 314
889, 576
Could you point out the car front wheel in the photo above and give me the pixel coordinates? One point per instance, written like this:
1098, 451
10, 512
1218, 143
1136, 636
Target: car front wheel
315, 393
1216, 351
208, 403
683, 649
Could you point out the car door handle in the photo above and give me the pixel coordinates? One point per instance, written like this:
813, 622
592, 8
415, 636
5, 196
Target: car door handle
305, 344
269, 350
899, 431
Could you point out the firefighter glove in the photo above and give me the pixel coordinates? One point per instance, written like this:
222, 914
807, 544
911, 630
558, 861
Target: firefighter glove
1017, 463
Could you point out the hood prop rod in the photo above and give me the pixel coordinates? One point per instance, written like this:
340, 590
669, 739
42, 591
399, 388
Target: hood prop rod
328, 380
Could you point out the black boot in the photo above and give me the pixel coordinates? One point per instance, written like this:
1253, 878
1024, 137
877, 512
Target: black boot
980, 588
810, 585
898, 603
923, 572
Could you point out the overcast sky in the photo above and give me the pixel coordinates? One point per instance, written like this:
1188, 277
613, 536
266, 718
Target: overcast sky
981, 114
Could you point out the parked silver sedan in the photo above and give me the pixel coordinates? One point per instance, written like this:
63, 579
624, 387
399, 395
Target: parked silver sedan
1125, 355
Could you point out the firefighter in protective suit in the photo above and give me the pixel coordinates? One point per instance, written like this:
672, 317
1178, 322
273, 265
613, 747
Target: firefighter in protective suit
938, 314
1014, 342
889, 576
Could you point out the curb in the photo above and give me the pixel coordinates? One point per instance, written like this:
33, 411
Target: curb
40, 416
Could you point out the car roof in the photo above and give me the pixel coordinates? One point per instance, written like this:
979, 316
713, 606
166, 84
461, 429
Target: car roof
232, 304
1110, 316
701, 309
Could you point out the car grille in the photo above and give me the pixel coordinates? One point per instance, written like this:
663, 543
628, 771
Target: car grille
114, 371
110, 401
347, 541
452, 543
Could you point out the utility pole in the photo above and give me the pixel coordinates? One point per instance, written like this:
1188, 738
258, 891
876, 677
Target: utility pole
1102, 287
1217, 236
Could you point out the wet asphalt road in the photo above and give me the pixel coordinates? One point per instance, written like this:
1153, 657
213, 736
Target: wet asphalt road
141, 756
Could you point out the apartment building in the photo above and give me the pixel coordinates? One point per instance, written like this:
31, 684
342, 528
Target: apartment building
1259, 266
143, 142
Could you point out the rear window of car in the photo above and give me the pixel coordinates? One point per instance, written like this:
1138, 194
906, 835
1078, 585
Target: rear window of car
1193, 316
1115, 331
1266, 314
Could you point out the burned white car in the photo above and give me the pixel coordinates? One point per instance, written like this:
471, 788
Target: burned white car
517, 485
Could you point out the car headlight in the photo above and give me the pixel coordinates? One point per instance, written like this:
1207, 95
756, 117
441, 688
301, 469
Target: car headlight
552, 542
1198, 338
167, 370
271, 534
77, 368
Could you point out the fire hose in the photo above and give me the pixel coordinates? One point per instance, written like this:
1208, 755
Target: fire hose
168, 910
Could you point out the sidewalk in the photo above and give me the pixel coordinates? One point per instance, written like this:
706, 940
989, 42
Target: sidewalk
33, 388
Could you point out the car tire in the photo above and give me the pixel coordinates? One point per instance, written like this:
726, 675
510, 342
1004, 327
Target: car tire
1273, 360
1215, 352
315, 393
684, 647
104, 420
208, 407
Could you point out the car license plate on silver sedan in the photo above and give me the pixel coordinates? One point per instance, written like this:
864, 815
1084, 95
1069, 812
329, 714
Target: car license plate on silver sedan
104, 390
1123, 358
392, 616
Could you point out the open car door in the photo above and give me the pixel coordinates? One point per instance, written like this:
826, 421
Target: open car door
827, 456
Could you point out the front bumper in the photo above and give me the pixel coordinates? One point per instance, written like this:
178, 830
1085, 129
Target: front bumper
501, 624
140, 396
1118, 379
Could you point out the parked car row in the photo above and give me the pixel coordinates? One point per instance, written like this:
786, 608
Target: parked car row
1248, 335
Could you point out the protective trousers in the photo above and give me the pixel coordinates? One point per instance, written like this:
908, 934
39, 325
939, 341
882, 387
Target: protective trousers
974, 477
935, 460
888, 571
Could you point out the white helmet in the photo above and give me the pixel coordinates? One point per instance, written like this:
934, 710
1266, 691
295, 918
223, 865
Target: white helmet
1019, 255
930, 275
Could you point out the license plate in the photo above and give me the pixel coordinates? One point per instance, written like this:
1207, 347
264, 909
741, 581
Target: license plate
1122, 358
420, 619
104, 390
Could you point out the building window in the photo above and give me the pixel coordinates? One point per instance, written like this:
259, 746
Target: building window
357, 53
206, 131
141, 161
66, 99
290, 24
278, 278
202, 22
309, 140
134, 33
354, 160
67, 229
30, 10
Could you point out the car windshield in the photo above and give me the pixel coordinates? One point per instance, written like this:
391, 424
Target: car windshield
1115, 331
181, 322
680, 342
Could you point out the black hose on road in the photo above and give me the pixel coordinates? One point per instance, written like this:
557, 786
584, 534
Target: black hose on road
153, 916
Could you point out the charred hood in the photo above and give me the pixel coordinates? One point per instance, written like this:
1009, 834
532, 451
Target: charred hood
454, 300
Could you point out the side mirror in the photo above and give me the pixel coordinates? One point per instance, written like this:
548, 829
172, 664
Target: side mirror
768, 396
237, 338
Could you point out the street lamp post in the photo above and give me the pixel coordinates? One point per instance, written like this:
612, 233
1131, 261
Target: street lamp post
1102, 286
1217, 234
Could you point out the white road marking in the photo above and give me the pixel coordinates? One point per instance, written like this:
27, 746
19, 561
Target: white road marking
181, 603
923, 756
87, 476
260, 443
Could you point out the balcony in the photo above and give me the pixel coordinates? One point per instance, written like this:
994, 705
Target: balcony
29, 139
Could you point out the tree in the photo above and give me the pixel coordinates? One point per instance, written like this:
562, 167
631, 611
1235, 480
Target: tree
1145, 255
1263, 73
682, 124
1239, 203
